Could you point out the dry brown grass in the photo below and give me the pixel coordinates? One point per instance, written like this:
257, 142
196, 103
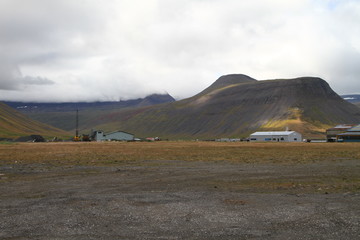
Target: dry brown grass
124, 153
273, 167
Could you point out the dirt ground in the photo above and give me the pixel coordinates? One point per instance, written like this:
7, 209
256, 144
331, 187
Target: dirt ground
179, 199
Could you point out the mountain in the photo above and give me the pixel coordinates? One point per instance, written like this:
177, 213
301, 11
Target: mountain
62, 115
13, 124
236, 105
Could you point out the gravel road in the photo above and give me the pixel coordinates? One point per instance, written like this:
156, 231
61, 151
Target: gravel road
178, 200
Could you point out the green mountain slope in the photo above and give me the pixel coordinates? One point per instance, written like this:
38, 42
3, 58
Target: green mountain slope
14, 124
236, 105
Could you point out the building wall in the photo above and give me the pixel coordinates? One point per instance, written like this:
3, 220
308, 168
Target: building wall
99, 136
332, 133
349, 138
293, 137
115, 136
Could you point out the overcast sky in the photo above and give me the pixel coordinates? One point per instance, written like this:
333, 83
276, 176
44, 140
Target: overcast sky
84, 50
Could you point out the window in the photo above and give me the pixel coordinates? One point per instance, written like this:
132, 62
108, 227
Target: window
282, 139
295, 139
267, 139
253, 139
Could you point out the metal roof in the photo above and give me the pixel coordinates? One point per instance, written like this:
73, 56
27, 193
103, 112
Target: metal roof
341, 127
355, 129
276, 133
119, 131
349, 134
344, 126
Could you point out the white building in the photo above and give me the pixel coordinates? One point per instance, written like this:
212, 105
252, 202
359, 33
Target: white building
113, 136
284, 136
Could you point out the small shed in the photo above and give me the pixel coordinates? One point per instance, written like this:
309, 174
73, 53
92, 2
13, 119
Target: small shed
112, 136
276, 136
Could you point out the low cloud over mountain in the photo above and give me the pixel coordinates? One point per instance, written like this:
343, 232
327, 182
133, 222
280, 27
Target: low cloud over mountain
111, 50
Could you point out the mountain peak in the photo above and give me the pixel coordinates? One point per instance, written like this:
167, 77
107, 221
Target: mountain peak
156, 99
229, 79
232, 79
307, 86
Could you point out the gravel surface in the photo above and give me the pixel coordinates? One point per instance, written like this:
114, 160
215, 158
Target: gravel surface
178, 200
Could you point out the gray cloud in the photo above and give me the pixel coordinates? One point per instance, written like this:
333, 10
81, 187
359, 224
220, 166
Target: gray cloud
93, 50
9, 73
28, 80
11, 78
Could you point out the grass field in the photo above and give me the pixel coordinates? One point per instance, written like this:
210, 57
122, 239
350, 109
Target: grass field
300, 167
108, 153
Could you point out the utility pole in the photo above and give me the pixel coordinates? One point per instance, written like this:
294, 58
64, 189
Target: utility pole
77, 123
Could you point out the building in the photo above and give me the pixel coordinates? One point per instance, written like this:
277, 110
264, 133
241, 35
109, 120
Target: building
331, 133
228, 140
113, 136
276, 136
351, 135
31, 138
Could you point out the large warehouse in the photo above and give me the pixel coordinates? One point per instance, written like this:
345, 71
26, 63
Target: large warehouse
277, 136
113, 136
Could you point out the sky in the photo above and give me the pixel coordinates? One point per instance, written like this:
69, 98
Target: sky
92, 50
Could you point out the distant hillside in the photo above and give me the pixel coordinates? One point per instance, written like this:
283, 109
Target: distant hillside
352, 98
62, 115
72, 106
14, 124
236, 105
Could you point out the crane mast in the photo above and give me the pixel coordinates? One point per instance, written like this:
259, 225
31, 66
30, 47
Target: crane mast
77, 137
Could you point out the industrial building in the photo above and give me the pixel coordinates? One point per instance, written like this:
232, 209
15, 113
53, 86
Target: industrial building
351, 135
112, 136
331, 133
277, 136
